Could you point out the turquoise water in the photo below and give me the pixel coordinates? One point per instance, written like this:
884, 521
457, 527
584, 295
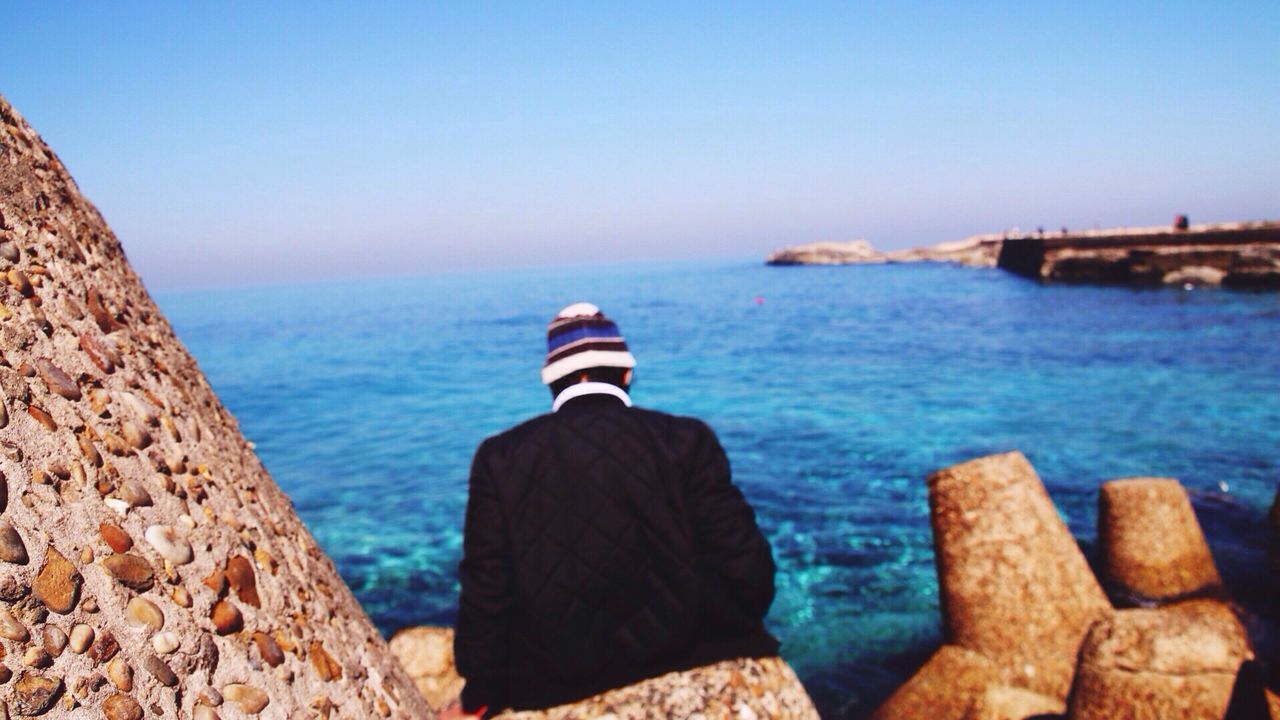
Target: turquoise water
834, 391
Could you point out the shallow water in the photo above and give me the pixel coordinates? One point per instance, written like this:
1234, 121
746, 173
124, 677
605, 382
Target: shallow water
834, 390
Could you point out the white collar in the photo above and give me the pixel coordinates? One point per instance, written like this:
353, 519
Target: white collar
590, 388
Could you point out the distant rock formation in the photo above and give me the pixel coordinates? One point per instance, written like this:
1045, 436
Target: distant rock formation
1028, 630
765, 687
976, 251
1234, 255
149, 566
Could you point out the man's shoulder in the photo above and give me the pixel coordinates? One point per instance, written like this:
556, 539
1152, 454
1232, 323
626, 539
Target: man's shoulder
536, 427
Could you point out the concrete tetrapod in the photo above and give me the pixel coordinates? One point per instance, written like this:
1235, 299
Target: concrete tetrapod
1014, 585
128, 487
1169, 663
944, 688
1151, 546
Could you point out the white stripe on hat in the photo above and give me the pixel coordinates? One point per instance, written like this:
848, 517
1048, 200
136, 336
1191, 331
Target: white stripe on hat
578, 310
584, 360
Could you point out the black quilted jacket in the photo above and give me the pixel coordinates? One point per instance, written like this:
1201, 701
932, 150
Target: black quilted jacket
604, 544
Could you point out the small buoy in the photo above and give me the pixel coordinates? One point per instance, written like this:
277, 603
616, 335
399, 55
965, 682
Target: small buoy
759, 299
1224, 486
1188, 286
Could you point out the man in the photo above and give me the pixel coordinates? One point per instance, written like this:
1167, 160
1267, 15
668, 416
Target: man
604, 543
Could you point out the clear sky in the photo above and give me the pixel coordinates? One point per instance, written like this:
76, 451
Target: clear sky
250, 143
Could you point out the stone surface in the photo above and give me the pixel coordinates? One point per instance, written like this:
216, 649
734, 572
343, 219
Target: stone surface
34, 694
427, 655
250, 699
109, 429
744, 688
121, 707
12, 549
944, 688
1177, 661
1150, 544
1013, 583
1002, 702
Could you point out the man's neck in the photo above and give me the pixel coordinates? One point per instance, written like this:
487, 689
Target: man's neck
590, 388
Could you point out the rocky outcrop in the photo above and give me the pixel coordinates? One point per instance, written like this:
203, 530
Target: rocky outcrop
1235, 254
148, 563
1178, 661
1014, 585
976, 251
765, 687
1151, 545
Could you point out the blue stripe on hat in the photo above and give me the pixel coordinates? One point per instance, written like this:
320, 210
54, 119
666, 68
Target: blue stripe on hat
598, 330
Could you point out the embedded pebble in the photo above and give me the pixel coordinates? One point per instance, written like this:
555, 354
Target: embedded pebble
131, 570
134, 494
5, 676
187, 522
121, 707
326, 667
57, 380
55, 641
89, 604
240, 575
160, 671
117, 504
204, 712
251, 699
97, 353
36, 657
165, 642
9, 251
268, 649
20, 282
81, 638
12, 549
136, 435
105, 649
58, 584
210, 696
226, 617
4, 414
166, 541
86, 556
143, 612
120, 674
182, 597
42, 417
33, 694
116, 538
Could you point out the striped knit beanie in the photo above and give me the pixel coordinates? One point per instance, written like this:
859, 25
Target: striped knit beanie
581, 337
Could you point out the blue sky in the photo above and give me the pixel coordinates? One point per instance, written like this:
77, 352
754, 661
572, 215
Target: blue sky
247, 143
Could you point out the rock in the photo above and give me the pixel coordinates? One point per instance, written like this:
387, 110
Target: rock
160, 671
204, 712
36, 657
56, 380
165, 642
166, 541
271, 654
120, 674
133, 493
131, 570
81, 638
1174, 662
54, 640
1001, 702
226, 617
426, 653
943, 688
742, 689
33, 694
12, 549
1150, 544
250, 699
121, 707
117, 539
148, 443
11, 628
326, 667
241, 577
1013, 583
58, 583
144, 613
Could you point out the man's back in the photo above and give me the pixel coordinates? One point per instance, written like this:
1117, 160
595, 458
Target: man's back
605, 544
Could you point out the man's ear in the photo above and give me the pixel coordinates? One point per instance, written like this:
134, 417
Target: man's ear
626, 377
584, 377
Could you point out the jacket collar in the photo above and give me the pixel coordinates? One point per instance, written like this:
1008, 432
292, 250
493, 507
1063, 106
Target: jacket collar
585, 389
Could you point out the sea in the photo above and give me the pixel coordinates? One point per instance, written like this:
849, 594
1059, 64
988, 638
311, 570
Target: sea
834, 390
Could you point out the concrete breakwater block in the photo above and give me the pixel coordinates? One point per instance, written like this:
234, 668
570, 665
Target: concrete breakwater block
149, 565
1151, 546
764, 687
1168, 663
1001, 702
944, 688
1014, 585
